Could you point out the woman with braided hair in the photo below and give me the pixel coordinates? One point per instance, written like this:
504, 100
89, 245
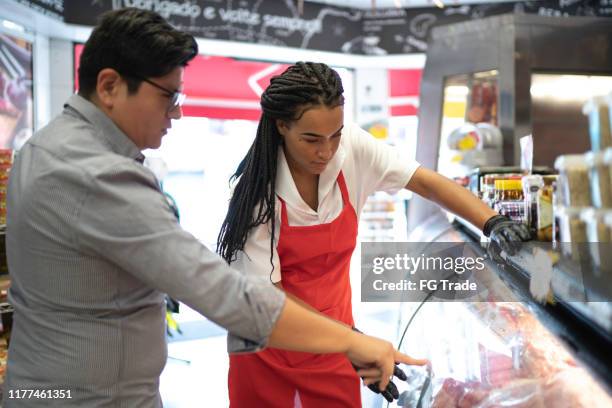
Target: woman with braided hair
293, 219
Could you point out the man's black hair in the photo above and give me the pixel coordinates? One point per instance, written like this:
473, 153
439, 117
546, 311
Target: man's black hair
302, 86
136, 43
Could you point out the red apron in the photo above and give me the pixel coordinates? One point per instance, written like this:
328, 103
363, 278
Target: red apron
315, 263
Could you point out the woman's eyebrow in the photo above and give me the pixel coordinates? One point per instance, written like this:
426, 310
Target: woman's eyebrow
318, 135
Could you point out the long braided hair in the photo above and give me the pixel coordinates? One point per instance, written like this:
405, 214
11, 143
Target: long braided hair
300, 87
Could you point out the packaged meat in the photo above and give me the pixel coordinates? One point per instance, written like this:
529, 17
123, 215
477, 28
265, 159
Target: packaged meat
574, 388
459, 394
525, 393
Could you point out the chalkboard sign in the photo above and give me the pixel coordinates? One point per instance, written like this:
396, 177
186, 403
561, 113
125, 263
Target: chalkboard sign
52, 8
322, 27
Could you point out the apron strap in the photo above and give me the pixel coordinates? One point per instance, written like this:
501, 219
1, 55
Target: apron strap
343, 189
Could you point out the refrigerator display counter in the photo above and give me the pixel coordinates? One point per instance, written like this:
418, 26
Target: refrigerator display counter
503, 348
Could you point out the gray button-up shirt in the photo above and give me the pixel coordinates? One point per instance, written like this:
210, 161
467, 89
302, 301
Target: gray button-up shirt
92, 246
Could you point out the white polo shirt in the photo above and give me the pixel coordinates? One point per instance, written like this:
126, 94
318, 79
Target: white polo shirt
368, 166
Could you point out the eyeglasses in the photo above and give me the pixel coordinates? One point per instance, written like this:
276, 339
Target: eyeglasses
176, 98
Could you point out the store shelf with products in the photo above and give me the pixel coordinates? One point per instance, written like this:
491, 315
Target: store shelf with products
382, 218
6, 310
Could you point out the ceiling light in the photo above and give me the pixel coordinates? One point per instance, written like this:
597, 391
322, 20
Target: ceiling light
438, 3
12, 26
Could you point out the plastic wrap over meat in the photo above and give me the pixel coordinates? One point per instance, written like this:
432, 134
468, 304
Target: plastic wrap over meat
417, 392
455, 393
496, 355
571, 388
517, 394
574, 388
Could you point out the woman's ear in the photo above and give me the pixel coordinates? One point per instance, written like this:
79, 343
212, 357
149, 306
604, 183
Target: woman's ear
282, 127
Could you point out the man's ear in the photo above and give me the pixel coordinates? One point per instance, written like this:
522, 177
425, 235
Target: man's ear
108, 86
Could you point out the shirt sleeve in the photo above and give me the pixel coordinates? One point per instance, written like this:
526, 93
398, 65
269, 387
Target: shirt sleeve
383, 167
255, 259
126, 220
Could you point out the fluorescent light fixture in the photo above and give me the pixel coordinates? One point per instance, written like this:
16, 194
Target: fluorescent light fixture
569, 87
486, 74
12, 26
457, 90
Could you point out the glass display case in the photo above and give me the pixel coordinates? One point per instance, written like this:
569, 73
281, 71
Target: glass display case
503, 351
493, 354
497, 350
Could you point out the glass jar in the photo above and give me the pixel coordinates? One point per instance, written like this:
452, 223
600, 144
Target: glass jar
597, 109
604, 246
599, 179
572, 231
509, 199
573, 174
508, 190
544, 204
598, 235
531, 185
6, 156
607, 163
488, 188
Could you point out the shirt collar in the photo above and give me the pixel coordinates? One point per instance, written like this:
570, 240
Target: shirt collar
117, 140
287, 190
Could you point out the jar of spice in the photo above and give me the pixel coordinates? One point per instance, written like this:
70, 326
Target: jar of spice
597, 110
598, 235
573, 174
531, 185
544, 203
599, 179
488, 188
572, 231
607, 163
509, 199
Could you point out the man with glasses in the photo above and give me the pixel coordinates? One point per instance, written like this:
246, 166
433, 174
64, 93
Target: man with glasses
175, 98
93, 245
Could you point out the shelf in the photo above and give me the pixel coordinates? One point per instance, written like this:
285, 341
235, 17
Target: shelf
377, 214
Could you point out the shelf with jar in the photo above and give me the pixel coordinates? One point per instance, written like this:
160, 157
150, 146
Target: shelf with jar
574, 235
6, 310
378, 218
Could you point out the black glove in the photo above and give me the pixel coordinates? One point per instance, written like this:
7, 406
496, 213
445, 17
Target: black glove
391, 392
505, 234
